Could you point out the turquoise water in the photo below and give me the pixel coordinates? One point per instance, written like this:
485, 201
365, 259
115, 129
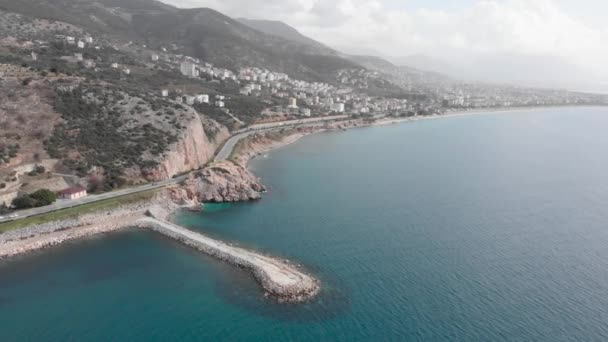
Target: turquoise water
489, 227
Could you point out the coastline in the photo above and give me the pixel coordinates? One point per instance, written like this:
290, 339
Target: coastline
50, 234
252, 152
53, 233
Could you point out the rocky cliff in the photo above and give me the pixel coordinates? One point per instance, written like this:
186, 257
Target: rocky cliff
192, 151
220, 182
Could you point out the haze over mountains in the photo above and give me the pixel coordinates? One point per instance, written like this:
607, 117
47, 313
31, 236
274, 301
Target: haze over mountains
497, 41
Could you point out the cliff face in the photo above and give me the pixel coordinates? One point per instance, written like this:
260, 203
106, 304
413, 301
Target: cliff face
192, 151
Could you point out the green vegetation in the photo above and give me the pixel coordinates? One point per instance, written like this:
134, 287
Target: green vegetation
37, 199
7, 152
104, 135
77, 211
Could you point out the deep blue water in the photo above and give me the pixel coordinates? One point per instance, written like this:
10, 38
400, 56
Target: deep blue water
488, 227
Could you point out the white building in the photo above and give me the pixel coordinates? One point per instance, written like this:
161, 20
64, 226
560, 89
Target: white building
127, 71
293, 102
305, 112
188, 68
88, 39
155, 57
338, 107
202, 98
89, 63
189, 99
80, 44
70, 40
34, 56
220, 104
220, 97
114, 66
164, 93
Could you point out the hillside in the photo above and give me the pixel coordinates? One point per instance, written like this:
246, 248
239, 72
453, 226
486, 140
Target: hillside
202, 33
280, 29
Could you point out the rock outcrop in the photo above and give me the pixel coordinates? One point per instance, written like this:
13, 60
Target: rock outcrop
222, 181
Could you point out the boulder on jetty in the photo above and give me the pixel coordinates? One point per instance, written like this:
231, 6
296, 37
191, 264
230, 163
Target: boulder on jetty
220, 182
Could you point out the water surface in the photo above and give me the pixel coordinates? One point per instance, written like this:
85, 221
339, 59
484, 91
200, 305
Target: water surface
485, 227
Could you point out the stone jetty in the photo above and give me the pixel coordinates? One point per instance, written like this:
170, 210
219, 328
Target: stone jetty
278, 278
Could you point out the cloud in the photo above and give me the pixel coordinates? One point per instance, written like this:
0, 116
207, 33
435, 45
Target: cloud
535, 28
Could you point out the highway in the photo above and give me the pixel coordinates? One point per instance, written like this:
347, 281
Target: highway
64, 204
228, 147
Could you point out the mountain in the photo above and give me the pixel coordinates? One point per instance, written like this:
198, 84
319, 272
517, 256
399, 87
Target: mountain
200, 32
280, 29
401, 75
423, 62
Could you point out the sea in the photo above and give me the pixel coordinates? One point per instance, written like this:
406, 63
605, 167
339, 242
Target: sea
485, 227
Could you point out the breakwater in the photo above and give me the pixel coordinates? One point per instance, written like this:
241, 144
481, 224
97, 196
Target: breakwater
278, 278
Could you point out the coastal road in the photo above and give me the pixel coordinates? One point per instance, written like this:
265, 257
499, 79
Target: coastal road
223, 154
230, 144
65, 204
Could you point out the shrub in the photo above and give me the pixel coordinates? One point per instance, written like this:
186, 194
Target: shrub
24, 202
44, 197
39, 198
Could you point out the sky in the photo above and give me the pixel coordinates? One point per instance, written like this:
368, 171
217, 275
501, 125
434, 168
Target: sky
533, 42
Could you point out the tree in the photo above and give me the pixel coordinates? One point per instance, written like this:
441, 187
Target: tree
24, 202
44, 197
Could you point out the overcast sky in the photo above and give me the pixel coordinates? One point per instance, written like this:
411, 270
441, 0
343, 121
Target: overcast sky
565, 40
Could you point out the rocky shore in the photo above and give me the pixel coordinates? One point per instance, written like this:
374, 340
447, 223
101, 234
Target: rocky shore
46, 235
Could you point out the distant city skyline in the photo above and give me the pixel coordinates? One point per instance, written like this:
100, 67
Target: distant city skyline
539, 42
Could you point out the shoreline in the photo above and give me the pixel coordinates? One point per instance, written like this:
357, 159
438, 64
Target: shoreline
249, 155
50, 234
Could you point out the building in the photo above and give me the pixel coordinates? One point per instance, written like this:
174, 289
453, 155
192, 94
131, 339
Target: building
165, 93
70, 40
127, 71
202, 98
220, 104
114, 65
188, 68
293, 102
88, 39
305, 112
80, 44
89, 63
189, 99
338, 107
78, 57
155, 57
72, 193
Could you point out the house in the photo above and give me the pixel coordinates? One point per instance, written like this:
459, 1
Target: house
80, 44
72, 193
203, 98
114, 65
70, 40
293, 103
127, 71
88, 39
220, 104
165, 93
189, 99
34, 56
155, 57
